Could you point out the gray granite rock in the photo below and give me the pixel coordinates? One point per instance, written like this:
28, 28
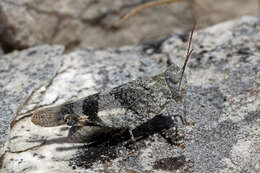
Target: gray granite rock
20, 74
222, 133
1, 50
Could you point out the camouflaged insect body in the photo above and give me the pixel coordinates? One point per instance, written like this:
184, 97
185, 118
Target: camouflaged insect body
124, 107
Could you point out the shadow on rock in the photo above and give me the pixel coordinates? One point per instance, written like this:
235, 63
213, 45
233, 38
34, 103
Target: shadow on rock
105, 146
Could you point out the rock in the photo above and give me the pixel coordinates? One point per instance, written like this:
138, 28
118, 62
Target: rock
222, 129
211, 12
20, 74
1, 50
85, 23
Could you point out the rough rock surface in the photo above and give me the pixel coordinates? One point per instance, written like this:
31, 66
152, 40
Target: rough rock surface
223, 108
210, 12
1, 50
85, 23
20, 74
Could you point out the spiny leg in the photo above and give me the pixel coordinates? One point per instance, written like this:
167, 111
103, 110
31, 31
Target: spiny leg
131, 135
173, 117
177, 115
133, 138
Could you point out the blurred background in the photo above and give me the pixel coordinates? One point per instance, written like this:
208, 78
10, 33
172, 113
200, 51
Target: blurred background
95, 23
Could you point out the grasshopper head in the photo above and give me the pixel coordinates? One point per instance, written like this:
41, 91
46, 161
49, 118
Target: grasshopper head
175, 77
48, 117
175, 81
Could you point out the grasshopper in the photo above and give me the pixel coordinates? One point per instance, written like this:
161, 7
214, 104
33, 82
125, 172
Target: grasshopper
121, 108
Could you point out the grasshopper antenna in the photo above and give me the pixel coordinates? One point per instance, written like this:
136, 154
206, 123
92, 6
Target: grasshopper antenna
147, 5
189, 52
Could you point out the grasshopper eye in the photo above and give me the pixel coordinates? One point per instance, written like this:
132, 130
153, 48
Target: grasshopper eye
173, 78
173, 74
70, 120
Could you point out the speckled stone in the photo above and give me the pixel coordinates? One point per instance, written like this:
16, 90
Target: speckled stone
1, 51
20, 74
222, 108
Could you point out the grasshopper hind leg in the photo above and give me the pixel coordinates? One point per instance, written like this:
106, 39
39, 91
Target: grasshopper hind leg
86, 133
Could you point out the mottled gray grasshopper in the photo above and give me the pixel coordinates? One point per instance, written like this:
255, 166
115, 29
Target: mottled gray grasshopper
124, 107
